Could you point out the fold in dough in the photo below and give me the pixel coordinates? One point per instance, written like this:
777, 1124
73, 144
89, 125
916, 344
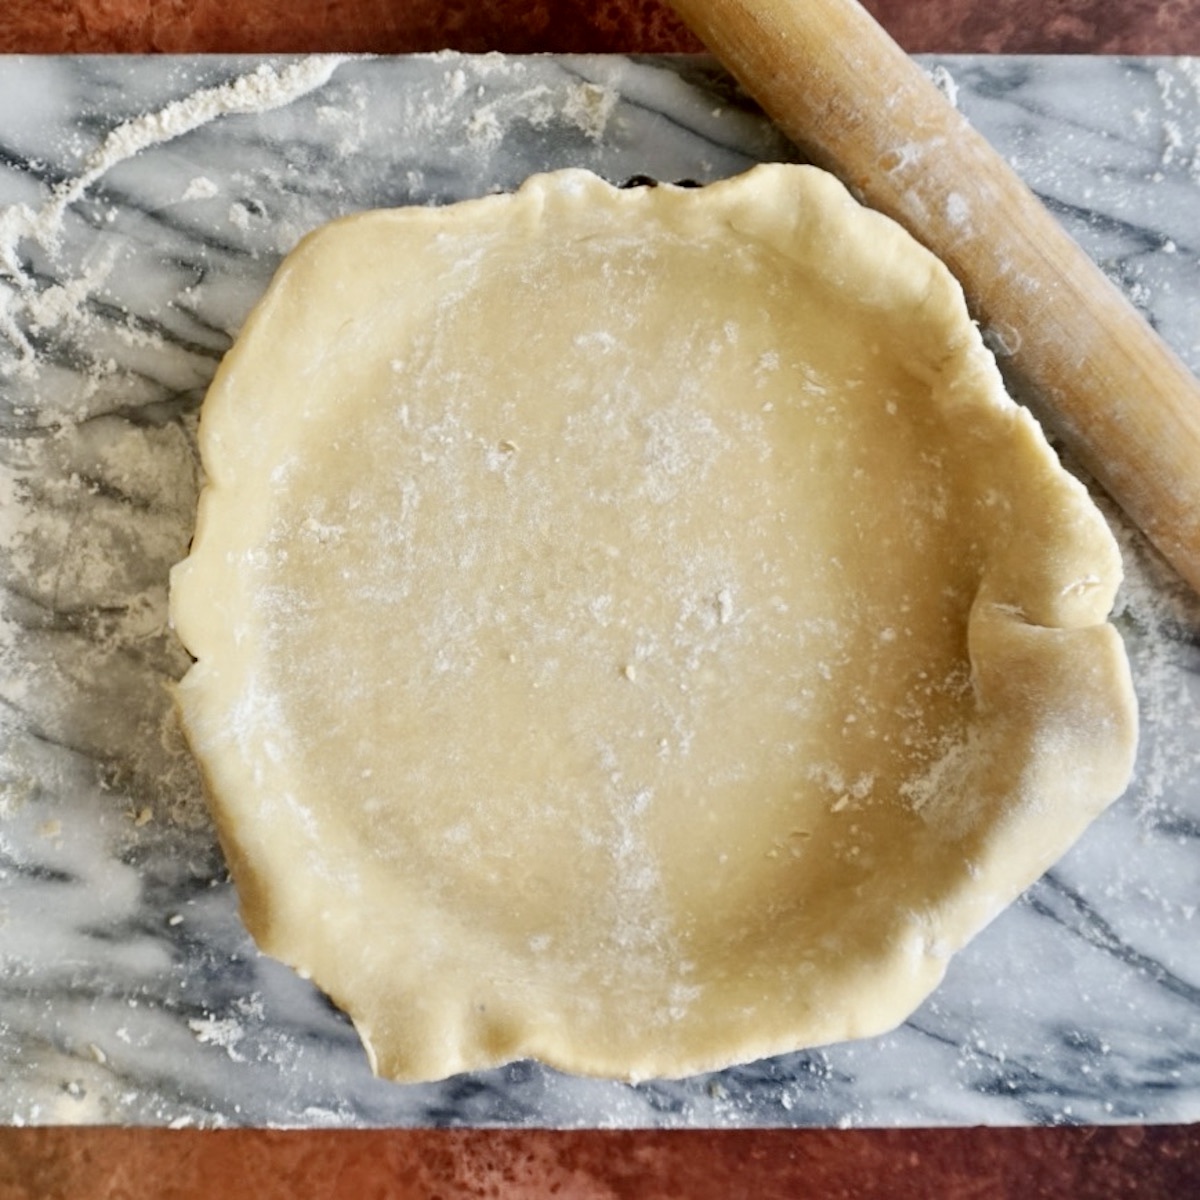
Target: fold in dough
634, 628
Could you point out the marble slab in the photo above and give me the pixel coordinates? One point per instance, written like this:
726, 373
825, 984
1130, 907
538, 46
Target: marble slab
144, 204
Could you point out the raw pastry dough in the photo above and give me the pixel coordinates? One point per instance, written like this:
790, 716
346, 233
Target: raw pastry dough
634, 628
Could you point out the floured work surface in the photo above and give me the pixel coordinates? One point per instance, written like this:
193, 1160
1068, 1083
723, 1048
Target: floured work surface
635, 629
131, 991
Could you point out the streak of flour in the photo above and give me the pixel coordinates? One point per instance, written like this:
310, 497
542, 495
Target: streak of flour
261, 90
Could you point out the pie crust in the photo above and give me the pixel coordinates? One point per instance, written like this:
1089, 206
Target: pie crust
634, 628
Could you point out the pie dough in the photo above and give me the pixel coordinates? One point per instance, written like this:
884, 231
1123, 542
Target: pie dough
634, 628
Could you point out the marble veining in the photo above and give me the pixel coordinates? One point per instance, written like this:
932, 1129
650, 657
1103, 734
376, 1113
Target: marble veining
131, 248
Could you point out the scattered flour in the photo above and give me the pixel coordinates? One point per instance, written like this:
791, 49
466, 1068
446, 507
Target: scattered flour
1155, 610
945, 82
587, 107
958, 210
261, 90
1180, 138
239, 216
201, 188
86, 511
94, 509
219, 1031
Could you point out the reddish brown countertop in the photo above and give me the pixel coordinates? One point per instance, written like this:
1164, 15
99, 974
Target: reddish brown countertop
526, 26
982, 1164
1084, 1164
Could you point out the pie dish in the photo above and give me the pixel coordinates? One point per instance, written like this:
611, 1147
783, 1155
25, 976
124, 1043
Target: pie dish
634, 628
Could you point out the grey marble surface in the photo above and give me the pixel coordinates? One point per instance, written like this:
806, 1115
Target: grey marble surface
143, 206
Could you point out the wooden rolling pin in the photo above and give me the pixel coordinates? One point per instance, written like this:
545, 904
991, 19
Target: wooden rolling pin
1068, 341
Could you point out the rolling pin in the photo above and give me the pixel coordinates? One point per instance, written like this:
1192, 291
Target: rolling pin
1067, 340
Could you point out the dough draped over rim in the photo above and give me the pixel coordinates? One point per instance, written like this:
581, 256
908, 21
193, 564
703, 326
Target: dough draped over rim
634, 628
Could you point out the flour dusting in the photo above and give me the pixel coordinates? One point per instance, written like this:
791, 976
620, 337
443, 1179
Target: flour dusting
98, 488
97, 508
260, 91
1155, 610
945, 83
